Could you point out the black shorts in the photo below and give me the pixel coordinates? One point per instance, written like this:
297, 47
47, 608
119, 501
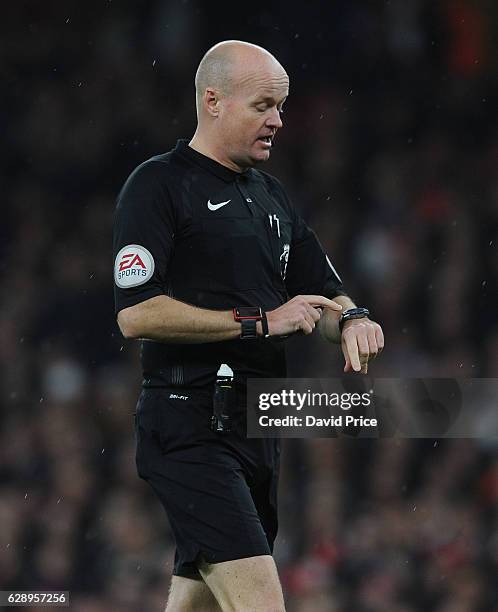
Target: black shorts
219, 490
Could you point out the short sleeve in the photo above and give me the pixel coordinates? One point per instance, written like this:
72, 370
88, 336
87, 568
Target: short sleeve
310, 271
144, 229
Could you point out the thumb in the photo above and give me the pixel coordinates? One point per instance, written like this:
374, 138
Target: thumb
347, 366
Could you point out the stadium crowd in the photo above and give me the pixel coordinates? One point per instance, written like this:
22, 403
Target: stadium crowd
389, 151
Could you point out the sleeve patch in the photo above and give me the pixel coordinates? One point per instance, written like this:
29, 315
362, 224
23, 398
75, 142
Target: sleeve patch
134, 265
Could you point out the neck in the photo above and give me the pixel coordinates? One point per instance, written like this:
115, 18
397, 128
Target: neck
202, 145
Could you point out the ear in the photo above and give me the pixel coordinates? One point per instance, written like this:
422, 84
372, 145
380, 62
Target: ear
211, 101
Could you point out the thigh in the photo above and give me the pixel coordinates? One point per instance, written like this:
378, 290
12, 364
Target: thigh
200, 483
187, 594
245, 585
211, 513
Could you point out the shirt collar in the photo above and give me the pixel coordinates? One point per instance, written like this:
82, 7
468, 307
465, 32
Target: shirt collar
207, 163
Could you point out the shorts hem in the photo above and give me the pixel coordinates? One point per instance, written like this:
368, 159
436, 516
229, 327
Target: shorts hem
193, 572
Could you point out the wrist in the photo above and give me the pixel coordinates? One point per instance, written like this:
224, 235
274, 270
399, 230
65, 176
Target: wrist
352, 314
328, 326
253, 322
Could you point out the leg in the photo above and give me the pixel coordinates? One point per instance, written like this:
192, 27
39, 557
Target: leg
189, 594
245, 585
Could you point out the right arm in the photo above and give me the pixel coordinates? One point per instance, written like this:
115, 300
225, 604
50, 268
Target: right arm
164, 319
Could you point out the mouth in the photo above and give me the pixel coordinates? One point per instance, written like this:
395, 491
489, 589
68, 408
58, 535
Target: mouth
267, 141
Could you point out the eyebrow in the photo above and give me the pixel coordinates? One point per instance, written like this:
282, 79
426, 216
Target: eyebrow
269, 99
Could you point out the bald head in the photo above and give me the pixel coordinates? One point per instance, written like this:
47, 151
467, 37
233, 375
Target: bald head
240, 89
228, 64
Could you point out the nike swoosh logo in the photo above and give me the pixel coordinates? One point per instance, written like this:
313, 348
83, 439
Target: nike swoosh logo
216, 206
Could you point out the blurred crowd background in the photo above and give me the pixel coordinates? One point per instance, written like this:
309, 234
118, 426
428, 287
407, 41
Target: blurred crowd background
389, 150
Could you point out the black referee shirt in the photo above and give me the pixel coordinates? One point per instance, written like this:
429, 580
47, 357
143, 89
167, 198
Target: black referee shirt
188, 227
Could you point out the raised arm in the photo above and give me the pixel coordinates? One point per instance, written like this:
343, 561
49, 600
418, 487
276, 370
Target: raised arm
310, 269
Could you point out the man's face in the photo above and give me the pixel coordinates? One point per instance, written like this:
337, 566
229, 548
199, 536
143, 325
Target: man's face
250, 116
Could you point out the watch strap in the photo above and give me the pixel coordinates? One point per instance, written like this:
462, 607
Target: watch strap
264, 325
352, 313
248, 329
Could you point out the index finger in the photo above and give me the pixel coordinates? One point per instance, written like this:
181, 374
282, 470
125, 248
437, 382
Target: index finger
353, 352
320, 300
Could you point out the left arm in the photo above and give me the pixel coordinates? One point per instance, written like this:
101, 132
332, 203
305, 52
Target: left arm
310, 271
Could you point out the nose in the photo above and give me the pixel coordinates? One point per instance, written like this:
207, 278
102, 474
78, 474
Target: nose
274, 120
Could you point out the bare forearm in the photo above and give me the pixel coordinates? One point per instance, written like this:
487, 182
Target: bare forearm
329, 322
164, 319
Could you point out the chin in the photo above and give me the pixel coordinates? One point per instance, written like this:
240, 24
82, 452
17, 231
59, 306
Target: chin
253, 158
260, 157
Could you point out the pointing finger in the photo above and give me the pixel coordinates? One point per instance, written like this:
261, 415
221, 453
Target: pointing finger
320, 300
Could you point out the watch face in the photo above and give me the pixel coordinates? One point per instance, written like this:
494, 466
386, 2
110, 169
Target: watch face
248, 312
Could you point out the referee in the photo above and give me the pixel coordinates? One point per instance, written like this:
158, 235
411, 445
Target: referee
213, 266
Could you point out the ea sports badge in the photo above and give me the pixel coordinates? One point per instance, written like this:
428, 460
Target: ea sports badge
134, 265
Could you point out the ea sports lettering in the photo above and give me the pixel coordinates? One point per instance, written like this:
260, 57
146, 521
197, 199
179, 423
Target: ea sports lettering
134, 266
129, 260
131, 265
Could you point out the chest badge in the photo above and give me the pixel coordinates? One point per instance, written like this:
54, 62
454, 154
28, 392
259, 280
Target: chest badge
284, 260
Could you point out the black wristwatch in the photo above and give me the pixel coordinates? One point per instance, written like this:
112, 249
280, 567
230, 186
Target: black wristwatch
248, 316
352, 313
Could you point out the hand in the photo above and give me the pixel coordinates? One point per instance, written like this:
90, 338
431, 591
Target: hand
361, 341
300, 313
